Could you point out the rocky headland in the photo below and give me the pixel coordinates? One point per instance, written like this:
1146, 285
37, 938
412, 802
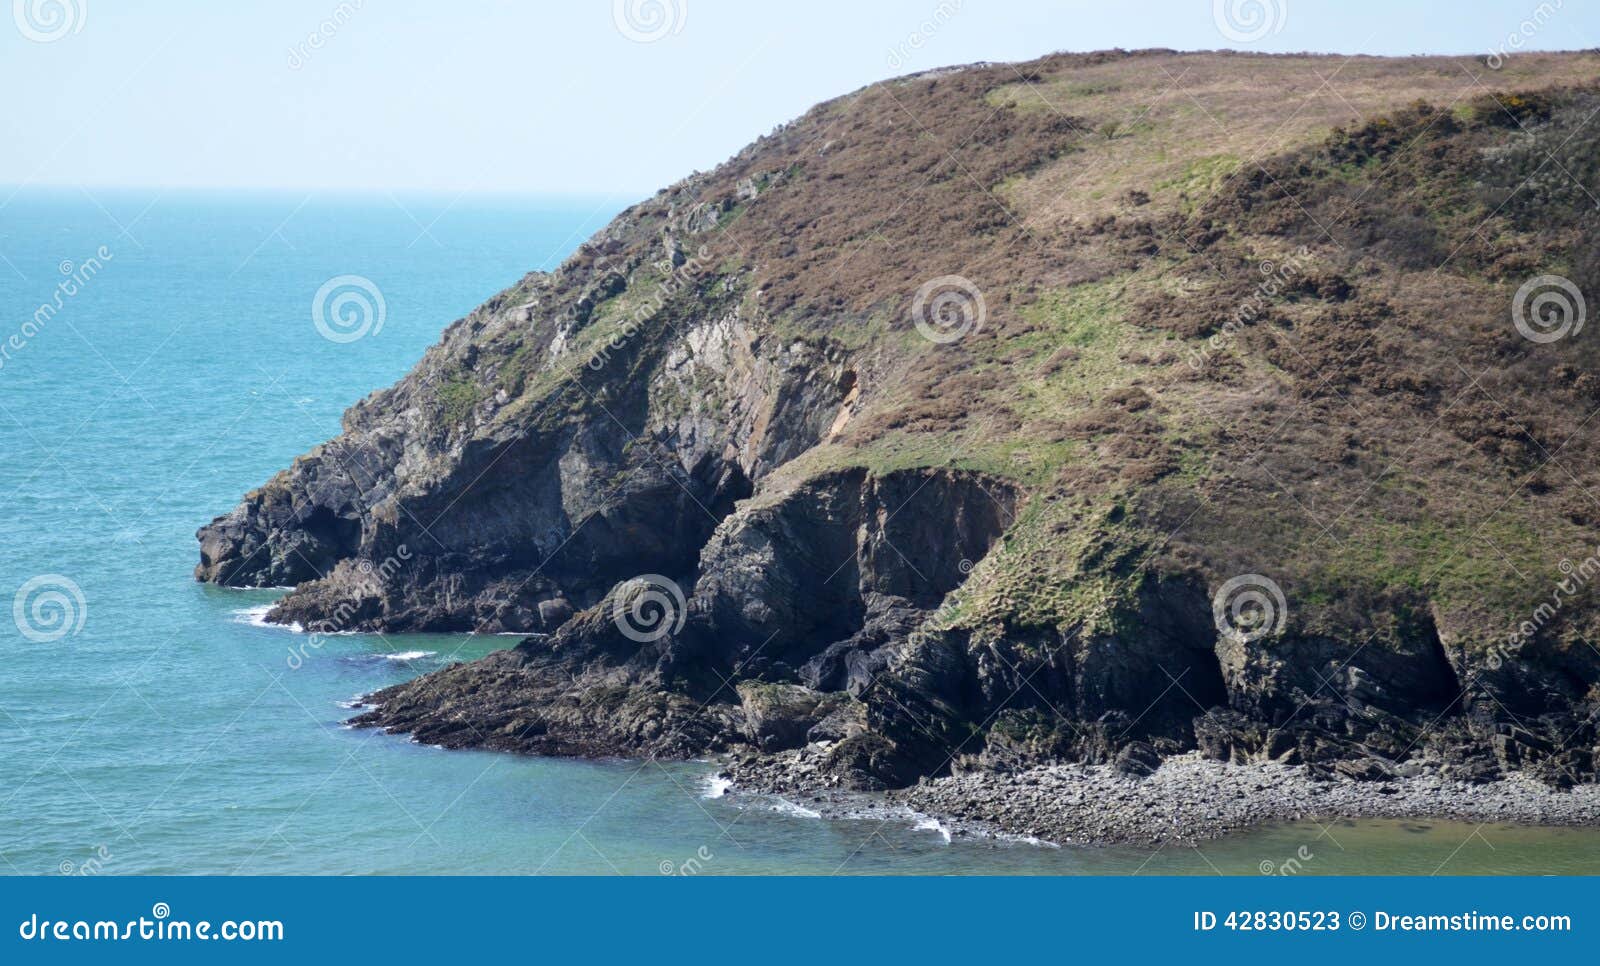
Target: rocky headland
1035, 443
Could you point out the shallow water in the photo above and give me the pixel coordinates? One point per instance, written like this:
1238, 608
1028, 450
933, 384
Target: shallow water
171, 733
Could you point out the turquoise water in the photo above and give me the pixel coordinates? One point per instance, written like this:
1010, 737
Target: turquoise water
168, 734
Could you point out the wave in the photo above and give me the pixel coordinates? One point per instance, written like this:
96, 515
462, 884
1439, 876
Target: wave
933, 825
257, 617
786, 807
717, 786
407, 655
1033, 840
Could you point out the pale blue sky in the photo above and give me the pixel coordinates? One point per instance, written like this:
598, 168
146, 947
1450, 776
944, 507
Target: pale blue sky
498, 96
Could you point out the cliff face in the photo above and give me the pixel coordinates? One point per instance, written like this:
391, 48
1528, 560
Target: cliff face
1095, 407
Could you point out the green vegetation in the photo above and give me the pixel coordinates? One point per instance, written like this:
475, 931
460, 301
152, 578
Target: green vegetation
517, 369
1065, 564
457, 399
1200, 178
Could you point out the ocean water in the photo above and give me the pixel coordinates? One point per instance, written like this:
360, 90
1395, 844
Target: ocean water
150, 724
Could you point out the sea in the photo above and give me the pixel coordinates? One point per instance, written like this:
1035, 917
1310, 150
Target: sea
161, 353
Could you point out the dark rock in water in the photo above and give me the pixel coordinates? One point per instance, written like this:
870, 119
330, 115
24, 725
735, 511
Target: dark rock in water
778, 463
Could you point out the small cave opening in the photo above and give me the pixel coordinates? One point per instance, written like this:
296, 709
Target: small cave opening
854, 559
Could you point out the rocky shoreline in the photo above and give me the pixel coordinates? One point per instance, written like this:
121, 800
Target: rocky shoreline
1187, 799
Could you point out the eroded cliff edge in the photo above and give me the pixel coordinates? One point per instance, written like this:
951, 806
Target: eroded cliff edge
927, 434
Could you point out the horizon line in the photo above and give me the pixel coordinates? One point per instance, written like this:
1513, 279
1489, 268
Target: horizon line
586, 194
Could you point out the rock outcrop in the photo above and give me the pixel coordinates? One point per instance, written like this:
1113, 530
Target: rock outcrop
1013, 415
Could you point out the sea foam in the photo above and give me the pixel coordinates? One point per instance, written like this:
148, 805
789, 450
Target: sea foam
933, 825
786, 807
257, 617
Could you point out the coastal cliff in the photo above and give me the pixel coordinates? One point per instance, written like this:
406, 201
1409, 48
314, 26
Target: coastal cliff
1099, 409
